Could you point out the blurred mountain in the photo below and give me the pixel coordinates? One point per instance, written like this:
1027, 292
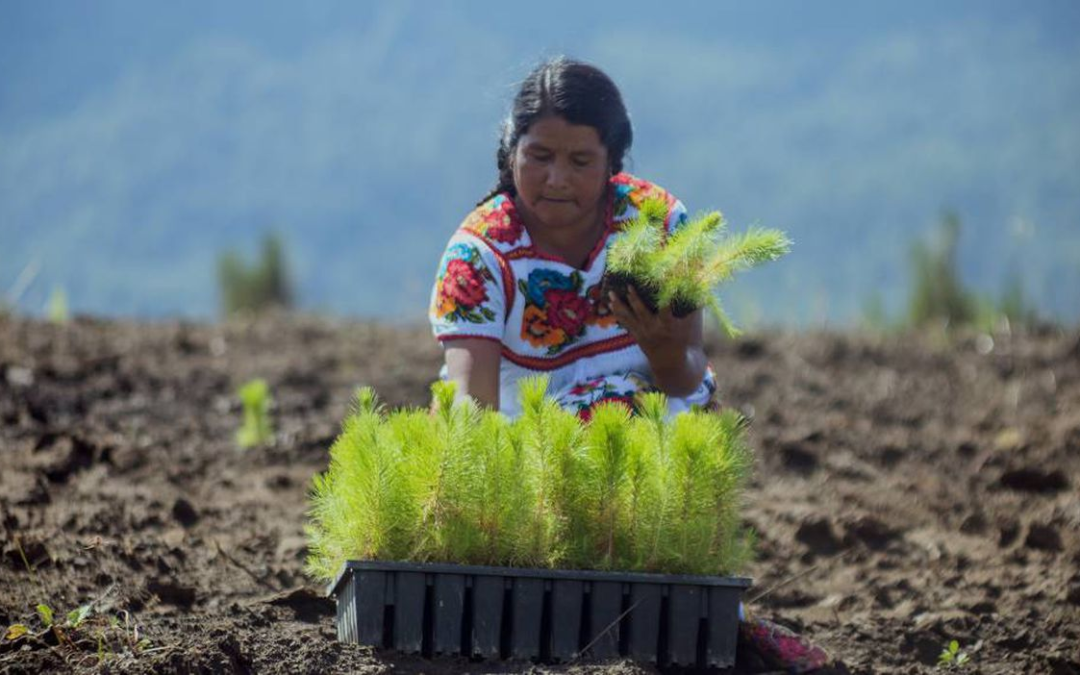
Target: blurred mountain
138, 140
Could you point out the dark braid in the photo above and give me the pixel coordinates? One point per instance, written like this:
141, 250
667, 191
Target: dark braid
577, 92
502, 161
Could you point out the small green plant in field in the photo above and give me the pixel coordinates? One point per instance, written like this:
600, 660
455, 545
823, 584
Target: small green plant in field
73, 620
57, 307
938, 295
952, 656
683, 270
1013, 307
874, 317
257, 287
470, 486
939, 300
111, 635
256, 400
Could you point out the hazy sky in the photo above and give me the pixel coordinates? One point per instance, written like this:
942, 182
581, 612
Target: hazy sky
139, 139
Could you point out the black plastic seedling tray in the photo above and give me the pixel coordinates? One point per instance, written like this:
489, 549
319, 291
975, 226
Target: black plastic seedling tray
543, 615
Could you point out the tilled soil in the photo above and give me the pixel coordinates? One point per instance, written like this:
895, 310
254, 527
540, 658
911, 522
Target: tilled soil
909, 491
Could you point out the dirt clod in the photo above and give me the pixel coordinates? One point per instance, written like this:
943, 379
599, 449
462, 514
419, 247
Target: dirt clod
900, 498
171, 592
184, 512
1043, 538
818, 535
798, 459
870, 531
1072, 595
1034, 480
307, 604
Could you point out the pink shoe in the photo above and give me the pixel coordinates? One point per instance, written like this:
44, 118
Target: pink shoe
769, 645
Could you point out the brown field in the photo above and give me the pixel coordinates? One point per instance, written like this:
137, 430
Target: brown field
908, 490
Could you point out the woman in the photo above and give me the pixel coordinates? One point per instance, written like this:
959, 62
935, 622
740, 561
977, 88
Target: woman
519, 287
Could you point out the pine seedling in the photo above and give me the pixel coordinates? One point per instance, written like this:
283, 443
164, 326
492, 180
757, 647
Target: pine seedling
732, 543
557, 450
741, 252
607, 455
57, 307
331, 512
527, 515
361, 504
691, 526
705, 468
496, 510
680, 264
256, 400
651, 435
644, 495
632, 257
443, 467
684, 270
693, 284
366, 401
548, 439
468, 486
952, 656
256, 287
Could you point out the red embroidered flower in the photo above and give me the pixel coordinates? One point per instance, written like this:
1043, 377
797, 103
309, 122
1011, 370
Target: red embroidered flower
567, 310
585, 412
501, 225
585, 387
627, 401
464, 284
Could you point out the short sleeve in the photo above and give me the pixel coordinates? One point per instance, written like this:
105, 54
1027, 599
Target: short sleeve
677, 216
468, 298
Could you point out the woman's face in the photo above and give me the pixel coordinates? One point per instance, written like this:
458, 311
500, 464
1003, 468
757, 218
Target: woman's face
560, 173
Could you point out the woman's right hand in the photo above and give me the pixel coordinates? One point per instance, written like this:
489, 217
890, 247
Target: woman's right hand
473, 364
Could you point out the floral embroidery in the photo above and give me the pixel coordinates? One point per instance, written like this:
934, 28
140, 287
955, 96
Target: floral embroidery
543, 280
496, 220
586, 387
631, 191
557, 313
567, 311
586, 396
462, 286
563, 313
536, 329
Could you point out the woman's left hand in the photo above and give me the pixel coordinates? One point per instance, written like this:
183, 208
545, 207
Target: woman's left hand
655, 332
673, 345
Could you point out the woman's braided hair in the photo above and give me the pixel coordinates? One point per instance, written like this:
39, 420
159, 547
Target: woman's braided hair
579, 93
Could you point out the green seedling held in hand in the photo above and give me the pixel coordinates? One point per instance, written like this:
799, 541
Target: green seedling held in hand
256, 430
685, 269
